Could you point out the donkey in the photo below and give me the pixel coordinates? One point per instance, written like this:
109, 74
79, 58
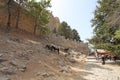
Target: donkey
53, 48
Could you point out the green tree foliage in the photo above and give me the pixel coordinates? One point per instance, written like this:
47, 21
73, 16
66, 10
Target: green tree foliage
75, 35
106, 27
117, 34
3, 3
40, 12
66, 31
44, 30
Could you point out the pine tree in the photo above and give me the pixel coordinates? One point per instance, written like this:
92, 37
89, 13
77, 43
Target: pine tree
106, 27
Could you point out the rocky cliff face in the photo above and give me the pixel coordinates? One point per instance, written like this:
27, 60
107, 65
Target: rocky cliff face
54, 23
26, 21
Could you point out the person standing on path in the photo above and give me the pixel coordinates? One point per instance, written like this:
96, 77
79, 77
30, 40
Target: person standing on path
103, 59
96, 55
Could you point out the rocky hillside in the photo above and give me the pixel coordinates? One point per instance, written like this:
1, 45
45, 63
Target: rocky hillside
26, 23
24, 57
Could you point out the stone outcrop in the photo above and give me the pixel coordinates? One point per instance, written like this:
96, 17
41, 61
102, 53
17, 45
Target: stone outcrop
5, 78
54, 23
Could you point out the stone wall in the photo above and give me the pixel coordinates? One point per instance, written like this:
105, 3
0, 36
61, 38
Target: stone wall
61, 41
26, 21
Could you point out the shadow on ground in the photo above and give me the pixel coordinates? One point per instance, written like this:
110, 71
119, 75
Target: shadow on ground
90, 66
82, 74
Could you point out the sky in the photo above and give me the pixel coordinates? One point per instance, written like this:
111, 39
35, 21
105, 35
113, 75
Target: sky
77, 13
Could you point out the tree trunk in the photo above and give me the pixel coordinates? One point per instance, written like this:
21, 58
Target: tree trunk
9, 16
18, 14
18, 18
35, 26
35, 29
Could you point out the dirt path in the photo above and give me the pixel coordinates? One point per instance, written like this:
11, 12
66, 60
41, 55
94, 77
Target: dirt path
96, 71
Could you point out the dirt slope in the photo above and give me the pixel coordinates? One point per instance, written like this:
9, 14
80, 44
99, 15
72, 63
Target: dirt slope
24, 57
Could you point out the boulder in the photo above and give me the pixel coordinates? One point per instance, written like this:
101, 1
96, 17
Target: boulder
71, 59
19, 65
4, 78
7, 71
